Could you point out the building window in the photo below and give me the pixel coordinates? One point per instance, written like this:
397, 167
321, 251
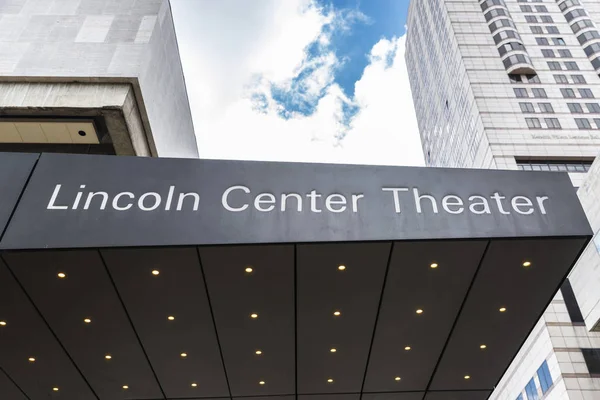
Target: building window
501, 23
556, 166
592, 360
561, 79
536, 30
546, 108
543, 374
506, 35
533, 79
569, 3
554, 66
496, 12
552, 123
519, 92
567, 93
547, 53
578, 79
542, 9
531, 19
539, 93
526, 9
596, 63
542, 41
575, 108
546, 19
584, 23
533, 123
583, 123
571, 66
515, 78
586, 93
571, 15
527, 107
565, 53
587, 36
558, 41
597, 122
531, 390
552, 30
592, 49
593, 108
520, 397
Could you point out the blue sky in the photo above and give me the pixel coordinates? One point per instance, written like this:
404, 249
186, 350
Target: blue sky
299, 80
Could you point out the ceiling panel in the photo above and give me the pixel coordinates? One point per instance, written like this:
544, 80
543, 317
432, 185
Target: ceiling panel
502, 282
268, 292
355, 396
87, 292
408, 345
8, 389
171, 314
323, 289
458, 395
23, 335
393, 396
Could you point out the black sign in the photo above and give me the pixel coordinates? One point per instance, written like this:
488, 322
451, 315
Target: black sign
105, 201
14, 171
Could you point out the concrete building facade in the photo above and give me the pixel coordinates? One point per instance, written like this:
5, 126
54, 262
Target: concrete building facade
113, 65
513, 84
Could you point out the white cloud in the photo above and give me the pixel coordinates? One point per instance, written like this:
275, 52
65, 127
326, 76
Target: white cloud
234, 52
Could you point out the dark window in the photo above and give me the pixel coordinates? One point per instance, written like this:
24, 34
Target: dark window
578, 12
540, 93
592, 360
505, 48
546, 19
582, 123
542, 41
560, 79
501, 23
533, 123
536, 29
520, 397
567, 93
541, 9
527, 107
597, 122
543, 374
569, 3
559, 41
531, 390
496, 12
593, 108
487, 4
575, 108
546, 108
587, 36
531, 19
515, 78
552, 30
554, 65
516, 59
592, 49
552, 123
547, 53
533, 79
500, 36
526, 9
596, 63
578, 79
579, 25
571, 66
519, 92
554, 165
586, 93
565, 53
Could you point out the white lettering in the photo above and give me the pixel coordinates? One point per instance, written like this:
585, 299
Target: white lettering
182, 197
482, 202
78, 198
499, 199
264, 198
313, 201
540, 201
226, 195
457, 202
284, 197
51, 205
153, 207
425, 196
355, 198
522, 201
115, 202
91, 196
170, 198
395, 191
335, 199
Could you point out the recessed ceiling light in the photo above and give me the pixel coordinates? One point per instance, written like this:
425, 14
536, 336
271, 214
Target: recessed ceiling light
55, 389
31, 359
194, 384
2, 323
434, 265
87, 321
333, 350
527, 263
184, 355
342, 267
249, 269
407, 348
419, 311
155, 272
502, 309
125, 387
171, 318
330, 380
397, 378
254, 315
261, 382
467, 377
337, 313
108, 356
483, 346
62, 275
259, 352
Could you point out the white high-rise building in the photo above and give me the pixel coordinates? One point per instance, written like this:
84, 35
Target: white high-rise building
514, 85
